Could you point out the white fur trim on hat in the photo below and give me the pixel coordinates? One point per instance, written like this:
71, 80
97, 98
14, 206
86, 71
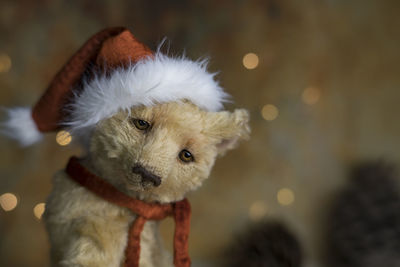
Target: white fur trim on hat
21, 126
152, 80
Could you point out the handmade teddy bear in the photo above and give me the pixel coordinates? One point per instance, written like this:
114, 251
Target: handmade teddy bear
151, 126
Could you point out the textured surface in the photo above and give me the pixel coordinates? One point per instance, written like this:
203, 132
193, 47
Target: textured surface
347, 50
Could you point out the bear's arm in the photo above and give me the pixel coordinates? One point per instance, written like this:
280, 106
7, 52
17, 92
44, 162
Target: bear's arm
84, 230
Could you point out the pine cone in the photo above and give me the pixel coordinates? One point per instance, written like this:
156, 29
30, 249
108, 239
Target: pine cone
267, 244
364, 224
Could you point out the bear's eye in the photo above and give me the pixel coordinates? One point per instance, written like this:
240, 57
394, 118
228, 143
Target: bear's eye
141, 124
186, 156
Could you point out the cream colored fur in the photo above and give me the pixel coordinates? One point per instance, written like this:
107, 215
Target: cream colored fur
85, 230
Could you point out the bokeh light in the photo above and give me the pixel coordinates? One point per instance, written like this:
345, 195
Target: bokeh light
5, 63
38, 210
311, 95
250, 61
8, 201
257, 210
269, 112
63, 138
285, 196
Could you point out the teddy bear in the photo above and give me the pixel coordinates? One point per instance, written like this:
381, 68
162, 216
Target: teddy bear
151, 126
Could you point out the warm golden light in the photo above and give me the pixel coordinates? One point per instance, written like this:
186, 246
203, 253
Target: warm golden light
311, 95
250, 61
285, 196
269, 112
257, 210
63, 138
8, 201
5, 63
38, 210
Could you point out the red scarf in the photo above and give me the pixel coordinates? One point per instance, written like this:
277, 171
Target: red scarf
145, 211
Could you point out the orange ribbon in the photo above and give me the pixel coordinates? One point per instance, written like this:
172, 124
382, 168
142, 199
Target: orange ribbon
145, 211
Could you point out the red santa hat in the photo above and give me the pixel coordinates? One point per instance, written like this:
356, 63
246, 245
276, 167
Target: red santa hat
110, 72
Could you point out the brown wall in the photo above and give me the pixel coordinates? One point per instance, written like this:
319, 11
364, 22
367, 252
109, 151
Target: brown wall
348, 51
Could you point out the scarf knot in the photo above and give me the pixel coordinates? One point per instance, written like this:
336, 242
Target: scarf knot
180, 211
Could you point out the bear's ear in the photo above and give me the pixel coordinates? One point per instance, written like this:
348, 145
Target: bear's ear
228, 128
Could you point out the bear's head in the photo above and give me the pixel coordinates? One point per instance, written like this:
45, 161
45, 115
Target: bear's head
161, 152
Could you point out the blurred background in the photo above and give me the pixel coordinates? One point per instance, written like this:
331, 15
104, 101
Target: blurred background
319, 77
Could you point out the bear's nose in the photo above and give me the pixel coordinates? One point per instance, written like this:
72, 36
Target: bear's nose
146, 175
